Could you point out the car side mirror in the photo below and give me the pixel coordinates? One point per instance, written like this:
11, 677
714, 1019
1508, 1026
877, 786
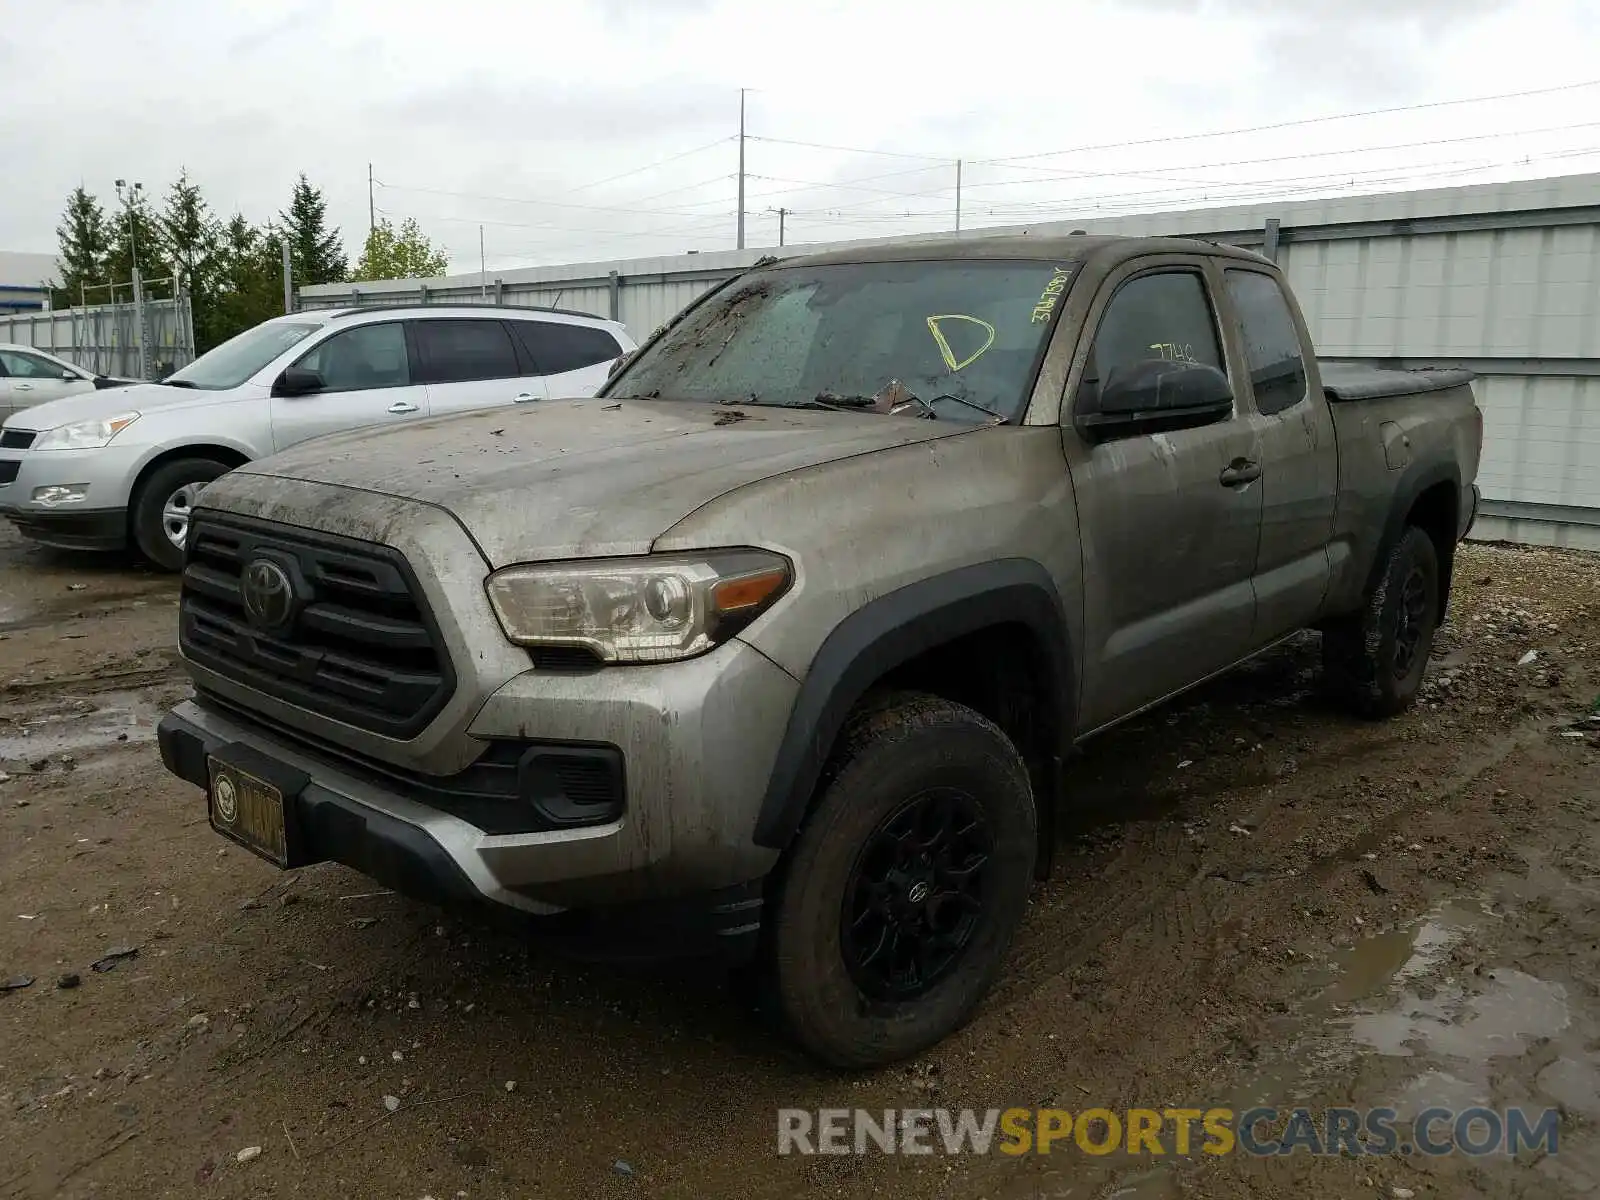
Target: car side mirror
619, 362
70, 375
297, 381
1158, 394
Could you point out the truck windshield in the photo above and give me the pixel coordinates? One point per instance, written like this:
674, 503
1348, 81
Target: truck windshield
238, 358
959, 336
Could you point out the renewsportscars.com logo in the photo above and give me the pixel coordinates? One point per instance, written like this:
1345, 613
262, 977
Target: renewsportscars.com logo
1260, 1132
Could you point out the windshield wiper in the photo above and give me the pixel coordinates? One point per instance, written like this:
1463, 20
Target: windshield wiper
1000, 418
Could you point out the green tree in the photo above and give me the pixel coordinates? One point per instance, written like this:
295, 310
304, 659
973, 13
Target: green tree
85, 243
248, 280
316, 254
191, 238
407, 254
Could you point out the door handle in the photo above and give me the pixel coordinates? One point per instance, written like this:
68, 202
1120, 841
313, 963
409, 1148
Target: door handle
1240, 472
523, 397
402, 406
23, 387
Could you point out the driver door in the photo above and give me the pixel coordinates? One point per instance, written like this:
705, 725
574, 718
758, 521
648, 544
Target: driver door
366, 380
1168, 528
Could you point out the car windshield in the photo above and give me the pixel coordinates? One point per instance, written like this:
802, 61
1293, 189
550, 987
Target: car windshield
238, 358
960, 337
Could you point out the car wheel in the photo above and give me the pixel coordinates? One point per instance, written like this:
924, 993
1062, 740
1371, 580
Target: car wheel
902, 892
1373, 661
164, 504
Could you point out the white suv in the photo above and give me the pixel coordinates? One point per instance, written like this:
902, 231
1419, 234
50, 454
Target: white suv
96, 470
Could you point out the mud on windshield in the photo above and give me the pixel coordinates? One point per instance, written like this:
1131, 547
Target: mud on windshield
953, 339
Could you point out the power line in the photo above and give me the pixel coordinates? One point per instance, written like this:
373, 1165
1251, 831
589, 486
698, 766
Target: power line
1087, 173
945, 158
696, 225
1350, 116
645, 212
722, 141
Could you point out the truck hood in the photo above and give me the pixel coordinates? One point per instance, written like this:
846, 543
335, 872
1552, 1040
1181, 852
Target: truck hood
573, 479
113, 402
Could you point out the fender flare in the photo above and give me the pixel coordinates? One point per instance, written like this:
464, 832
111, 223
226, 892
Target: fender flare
890, 631
1415, 480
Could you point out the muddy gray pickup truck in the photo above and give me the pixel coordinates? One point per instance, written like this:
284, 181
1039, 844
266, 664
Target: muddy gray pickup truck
782, 644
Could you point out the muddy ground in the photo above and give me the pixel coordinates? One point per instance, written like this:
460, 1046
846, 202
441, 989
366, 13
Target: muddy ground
1257, 900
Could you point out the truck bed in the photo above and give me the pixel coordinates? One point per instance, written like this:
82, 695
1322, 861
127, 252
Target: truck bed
1344, 381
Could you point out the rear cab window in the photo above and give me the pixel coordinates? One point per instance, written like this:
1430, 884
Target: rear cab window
1271, 340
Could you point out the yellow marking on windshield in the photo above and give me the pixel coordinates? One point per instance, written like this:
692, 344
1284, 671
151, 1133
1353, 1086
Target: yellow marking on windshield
948, 354
1051, 294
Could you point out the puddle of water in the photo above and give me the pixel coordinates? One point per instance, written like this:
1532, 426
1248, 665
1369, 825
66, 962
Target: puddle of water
1501, 1021
116, 717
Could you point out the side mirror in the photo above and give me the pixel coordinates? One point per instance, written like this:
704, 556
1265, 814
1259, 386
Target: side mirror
1158, 394
70, 375
619, 362
297, 381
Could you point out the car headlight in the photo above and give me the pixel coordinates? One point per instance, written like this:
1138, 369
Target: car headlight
84, 435
638, 610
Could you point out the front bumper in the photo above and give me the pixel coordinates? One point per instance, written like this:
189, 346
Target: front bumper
420, 853
71, 528
98, 522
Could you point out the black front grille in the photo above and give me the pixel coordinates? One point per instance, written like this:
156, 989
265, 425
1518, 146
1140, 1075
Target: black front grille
16, 439
362, 647
8, 472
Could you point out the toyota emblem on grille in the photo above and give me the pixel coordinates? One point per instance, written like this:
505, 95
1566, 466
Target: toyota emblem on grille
268, 594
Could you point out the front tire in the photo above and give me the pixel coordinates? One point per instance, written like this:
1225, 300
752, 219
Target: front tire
163, 504
1373, 661
906, 884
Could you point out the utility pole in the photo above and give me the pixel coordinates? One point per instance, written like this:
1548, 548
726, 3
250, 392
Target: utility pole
372, 210
958, 195
483, 270
288, 278
741, 169
782, 213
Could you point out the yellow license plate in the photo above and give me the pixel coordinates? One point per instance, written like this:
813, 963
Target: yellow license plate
248, 810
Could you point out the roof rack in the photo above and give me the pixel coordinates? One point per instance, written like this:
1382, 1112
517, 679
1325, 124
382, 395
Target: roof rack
336, 313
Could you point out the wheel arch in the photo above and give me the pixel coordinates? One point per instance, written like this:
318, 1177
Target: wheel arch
1004, 617
1429, 497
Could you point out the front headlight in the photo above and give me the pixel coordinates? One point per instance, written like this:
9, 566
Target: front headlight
638, 610
84, 435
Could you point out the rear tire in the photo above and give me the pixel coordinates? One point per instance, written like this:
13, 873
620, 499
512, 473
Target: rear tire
905, 886
160, 513
1373, 660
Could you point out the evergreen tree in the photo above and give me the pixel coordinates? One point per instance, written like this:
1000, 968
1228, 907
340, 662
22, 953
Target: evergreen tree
407, 254
191, 241
85, 244
248, 280
316, 254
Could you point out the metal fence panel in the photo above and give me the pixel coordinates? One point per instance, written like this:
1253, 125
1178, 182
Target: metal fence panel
104, 337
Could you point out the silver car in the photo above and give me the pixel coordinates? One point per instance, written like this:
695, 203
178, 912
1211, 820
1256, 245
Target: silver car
98, 470
30, 377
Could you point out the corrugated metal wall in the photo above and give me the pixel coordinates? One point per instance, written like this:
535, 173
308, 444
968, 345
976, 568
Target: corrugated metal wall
1501, 278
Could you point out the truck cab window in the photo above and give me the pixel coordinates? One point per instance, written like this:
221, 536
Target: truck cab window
1164, 315
1271, 342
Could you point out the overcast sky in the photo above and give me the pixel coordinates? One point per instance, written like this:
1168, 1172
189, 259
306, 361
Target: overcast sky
518, 114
